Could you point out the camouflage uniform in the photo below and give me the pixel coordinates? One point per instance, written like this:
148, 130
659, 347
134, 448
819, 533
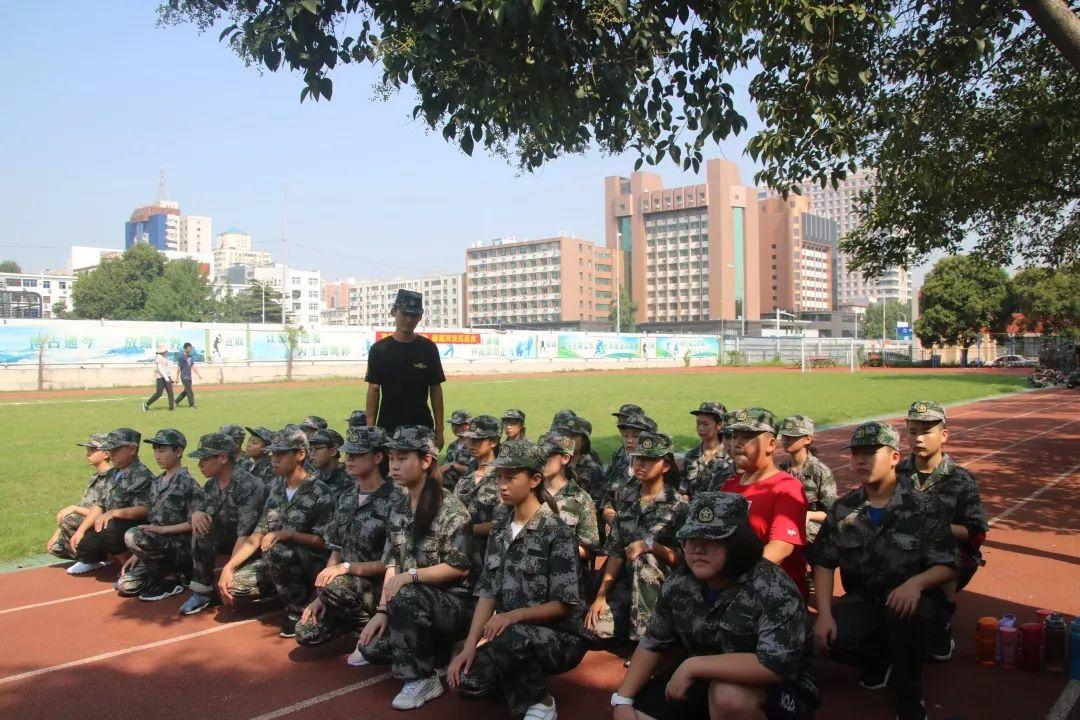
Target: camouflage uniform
357, 419
913, 535
587, 469
633, 597
480, 497
457, 453
699, 475
261, 468
95, 489
820, 488
620, 473
234, 511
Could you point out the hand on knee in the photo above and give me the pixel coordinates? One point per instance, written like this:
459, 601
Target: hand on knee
735, 702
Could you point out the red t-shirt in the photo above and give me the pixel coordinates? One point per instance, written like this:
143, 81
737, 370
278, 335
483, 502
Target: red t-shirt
778, 512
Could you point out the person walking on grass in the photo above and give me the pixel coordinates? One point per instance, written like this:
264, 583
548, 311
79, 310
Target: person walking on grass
185, 365
163, 376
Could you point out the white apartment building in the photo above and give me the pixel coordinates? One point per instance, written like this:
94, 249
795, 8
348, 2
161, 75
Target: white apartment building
234, 248
302, 294
32, 295
370, 301
195, 234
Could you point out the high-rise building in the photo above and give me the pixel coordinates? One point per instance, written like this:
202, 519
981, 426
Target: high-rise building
370, 301
798, 250
301, 292
548, 282
687, 253
234, 248
195, 234
157, 225
335, 295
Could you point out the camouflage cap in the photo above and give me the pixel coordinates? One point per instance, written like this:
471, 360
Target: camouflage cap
637, 421
576, 426
483, 426
874, 434
169, 437
263, 433
236, 432
514, 414
628, 409
715, 409
653, 445
120, 437
460, 417
326, 436
357, 418
797, 426
360, 440
521, 454
714, 516
409, 301
288, 439
927, 411
414, 437
313, 422
755, 419
562, 419
555, 444
726, 422
214, 444
96, 441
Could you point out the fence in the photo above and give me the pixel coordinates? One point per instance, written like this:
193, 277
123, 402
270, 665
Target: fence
1055, 352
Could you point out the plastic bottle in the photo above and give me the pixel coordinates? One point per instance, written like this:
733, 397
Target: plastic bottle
1043, 614
1054, 638
1031, 646
1008, 639
1074, 649
986, 631
1007, 620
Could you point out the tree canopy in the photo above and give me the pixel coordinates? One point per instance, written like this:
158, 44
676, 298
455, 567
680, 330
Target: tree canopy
10, 266
1049, 299
626, 310
894, 310
965, 109
962, 297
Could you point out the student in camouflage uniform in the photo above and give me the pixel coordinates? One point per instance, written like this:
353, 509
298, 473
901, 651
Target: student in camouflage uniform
289, 536
707, 467
575, 506
929, 469
357, 419
478, 490
458, 460
425, 606
819, 485
349, 586
225, 516
257, 460
513, 424
122, 505
641, 548
326, 457
737, 619
587, 470
620, 459
895, 553
620, 474
162, 547
236, 432
311, 424
71, 517
530, 579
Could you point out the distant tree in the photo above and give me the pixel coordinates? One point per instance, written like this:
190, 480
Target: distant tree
1049, 299
246, 305
895, 310
962, 297
10, 266
117, 289
625, 310
181, 293
59, 309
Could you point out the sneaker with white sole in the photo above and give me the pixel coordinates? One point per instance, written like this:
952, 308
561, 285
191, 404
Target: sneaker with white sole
875, 678
417, 692
357, 659
81, 568
540, 711
197, 603
160, 590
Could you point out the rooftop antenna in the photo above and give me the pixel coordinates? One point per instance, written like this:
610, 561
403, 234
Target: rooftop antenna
161, 186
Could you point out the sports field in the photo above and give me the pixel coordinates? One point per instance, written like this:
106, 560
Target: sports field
41, 469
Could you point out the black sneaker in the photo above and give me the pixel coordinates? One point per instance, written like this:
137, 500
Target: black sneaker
943, 645
288, 626
161, 589
875, 678
197, 603
910, 709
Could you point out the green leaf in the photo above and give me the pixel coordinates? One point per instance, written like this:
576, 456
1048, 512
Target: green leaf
312, 6
467, 143
537, 6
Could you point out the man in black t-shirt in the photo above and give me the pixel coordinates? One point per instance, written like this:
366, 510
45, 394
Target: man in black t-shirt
403, 370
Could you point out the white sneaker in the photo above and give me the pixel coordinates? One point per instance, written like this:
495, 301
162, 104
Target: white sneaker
417, 692
357, 658
81, 568
540, 711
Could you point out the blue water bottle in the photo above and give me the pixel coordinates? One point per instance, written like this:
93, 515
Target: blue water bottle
1074, 649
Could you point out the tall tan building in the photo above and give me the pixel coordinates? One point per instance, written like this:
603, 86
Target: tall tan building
798, 254
553, 281
687, 253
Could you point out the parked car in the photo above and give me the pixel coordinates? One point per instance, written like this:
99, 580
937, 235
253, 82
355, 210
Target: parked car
1014, 361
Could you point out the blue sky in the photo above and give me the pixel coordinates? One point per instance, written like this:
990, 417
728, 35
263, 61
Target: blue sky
99, 100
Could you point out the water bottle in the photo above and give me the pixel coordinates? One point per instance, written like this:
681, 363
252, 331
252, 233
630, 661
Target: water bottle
1074, 649
1055, 634
1031, 645
986, 640
1007, 620
1008, 639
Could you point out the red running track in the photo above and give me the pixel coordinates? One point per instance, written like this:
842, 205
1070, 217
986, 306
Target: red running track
72, 648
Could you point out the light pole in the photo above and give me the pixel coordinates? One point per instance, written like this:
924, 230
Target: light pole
618, 285
742, 308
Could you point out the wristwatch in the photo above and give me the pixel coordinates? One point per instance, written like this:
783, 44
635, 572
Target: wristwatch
617, 699
649, 541
413, 575
347, 566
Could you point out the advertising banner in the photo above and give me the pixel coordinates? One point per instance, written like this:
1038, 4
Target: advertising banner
676, 346
272, 346
90, 343
597, 345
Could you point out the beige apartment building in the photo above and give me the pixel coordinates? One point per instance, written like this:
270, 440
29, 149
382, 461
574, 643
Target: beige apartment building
687, 253
551, 281
798, 256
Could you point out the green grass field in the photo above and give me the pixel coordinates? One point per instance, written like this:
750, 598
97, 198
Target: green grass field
41, 469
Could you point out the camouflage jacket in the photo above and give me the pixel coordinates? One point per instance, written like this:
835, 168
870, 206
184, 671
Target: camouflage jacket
261, 468
577, 510
590, 476
760, 612
448, 541
538, 566
238, 505
457, 453
172, 501
337, 479
359, 530
96, 489
310, 510
957, 491
619, 469
913, 535
699, 475
129, 487
660, 519
820, 488
480, 500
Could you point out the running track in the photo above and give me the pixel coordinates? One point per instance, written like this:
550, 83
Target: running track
72, 648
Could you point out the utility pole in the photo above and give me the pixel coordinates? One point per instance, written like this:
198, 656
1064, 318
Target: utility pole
284, 252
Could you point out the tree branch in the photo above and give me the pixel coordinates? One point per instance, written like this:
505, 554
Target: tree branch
1060, 25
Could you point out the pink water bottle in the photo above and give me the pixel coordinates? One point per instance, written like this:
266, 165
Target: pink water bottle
1008, 639
1007, 620
1031, 646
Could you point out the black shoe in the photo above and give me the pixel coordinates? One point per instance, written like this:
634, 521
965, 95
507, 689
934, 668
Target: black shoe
910, 709
161, 589
943, 645
288, 626
875, 678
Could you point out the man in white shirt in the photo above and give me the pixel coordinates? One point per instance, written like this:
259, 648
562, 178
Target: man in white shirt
163, 374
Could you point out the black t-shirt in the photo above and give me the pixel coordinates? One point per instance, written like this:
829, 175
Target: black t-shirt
404, 371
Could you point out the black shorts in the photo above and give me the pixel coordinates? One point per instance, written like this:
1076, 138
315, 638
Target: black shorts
781, 701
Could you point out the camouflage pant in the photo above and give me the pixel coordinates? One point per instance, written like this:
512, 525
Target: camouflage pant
349, 602
61, 547
424, 624
156, 557
204, 552
632, 599
519, 662
285, 570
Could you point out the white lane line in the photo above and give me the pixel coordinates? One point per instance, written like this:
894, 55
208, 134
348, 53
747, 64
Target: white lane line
73, 400
126, 651
318, 699
1024, 501
1065, 701
56, 602
1010, 446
